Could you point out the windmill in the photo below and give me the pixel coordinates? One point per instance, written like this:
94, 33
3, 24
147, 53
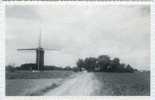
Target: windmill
39, 54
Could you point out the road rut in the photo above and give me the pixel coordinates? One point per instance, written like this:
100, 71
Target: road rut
83, 84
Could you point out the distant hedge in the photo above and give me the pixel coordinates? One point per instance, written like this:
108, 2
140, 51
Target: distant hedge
33, 66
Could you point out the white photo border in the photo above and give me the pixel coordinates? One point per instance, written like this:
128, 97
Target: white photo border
2, 51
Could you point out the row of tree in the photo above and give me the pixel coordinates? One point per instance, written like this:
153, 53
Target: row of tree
32, 66
104, 63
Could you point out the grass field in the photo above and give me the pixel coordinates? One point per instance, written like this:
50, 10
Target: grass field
130, 84
37, 75
22, 87
23, 83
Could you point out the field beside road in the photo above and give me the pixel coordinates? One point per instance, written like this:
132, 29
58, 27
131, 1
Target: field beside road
115, 84
37, 75
21, 83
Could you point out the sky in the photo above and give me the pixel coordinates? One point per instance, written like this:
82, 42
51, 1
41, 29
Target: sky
79, 31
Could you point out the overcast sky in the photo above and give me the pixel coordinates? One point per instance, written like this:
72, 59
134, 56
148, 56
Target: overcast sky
79, 31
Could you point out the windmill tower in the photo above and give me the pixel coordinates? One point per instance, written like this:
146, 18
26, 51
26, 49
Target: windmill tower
39, 54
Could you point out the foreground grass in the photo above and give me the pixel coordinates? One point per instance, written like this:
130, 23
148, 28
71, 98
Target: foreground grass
22, 83
131, 84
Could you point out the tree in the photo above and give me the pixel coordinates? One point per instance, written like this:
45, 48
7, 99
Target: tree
10, 68
129, 68
28, 66
90, 63
115, 63
80, 64
103, 62
121, 67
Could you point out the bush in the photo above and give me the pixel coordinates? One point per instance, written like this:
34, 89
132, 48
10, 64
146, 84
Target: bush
10, 68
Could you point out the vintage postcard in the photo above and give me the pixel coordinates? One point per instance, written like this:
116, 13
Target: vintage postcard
77, 50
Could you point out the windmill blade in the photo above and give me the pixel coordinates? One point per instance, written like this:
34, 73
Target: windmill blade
52, 49
27, 49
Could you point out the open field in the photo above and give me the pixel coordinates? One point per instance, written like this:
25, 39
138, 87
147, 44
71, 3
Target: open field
130, 84
37, 75
34, 83
21, 87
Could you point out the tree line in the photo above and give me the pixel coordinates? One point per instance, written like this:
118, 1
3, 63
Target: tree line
33, 66
103, 63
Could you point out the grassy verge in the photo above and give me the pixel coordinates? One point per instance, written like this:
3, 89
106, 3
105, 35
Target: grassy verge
126, 84
44, 90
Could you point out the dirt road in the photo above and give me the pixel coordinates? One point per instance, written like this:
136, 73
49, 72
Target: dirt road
82, 84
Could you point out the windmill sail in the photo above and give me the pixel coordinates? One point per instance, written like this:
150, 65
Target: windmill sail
39, 52
40, 35
27, 49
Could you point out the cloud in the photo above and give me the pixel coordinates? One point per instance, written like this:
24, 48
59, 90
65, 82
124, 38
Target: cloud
23, 12
80, 31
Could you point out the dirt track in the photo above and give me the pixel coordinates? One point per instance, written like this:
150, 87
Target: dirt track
82, 84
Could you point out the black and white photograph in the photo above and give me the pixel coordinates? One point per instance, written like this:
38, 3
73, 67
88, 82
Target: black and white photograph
77, 50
